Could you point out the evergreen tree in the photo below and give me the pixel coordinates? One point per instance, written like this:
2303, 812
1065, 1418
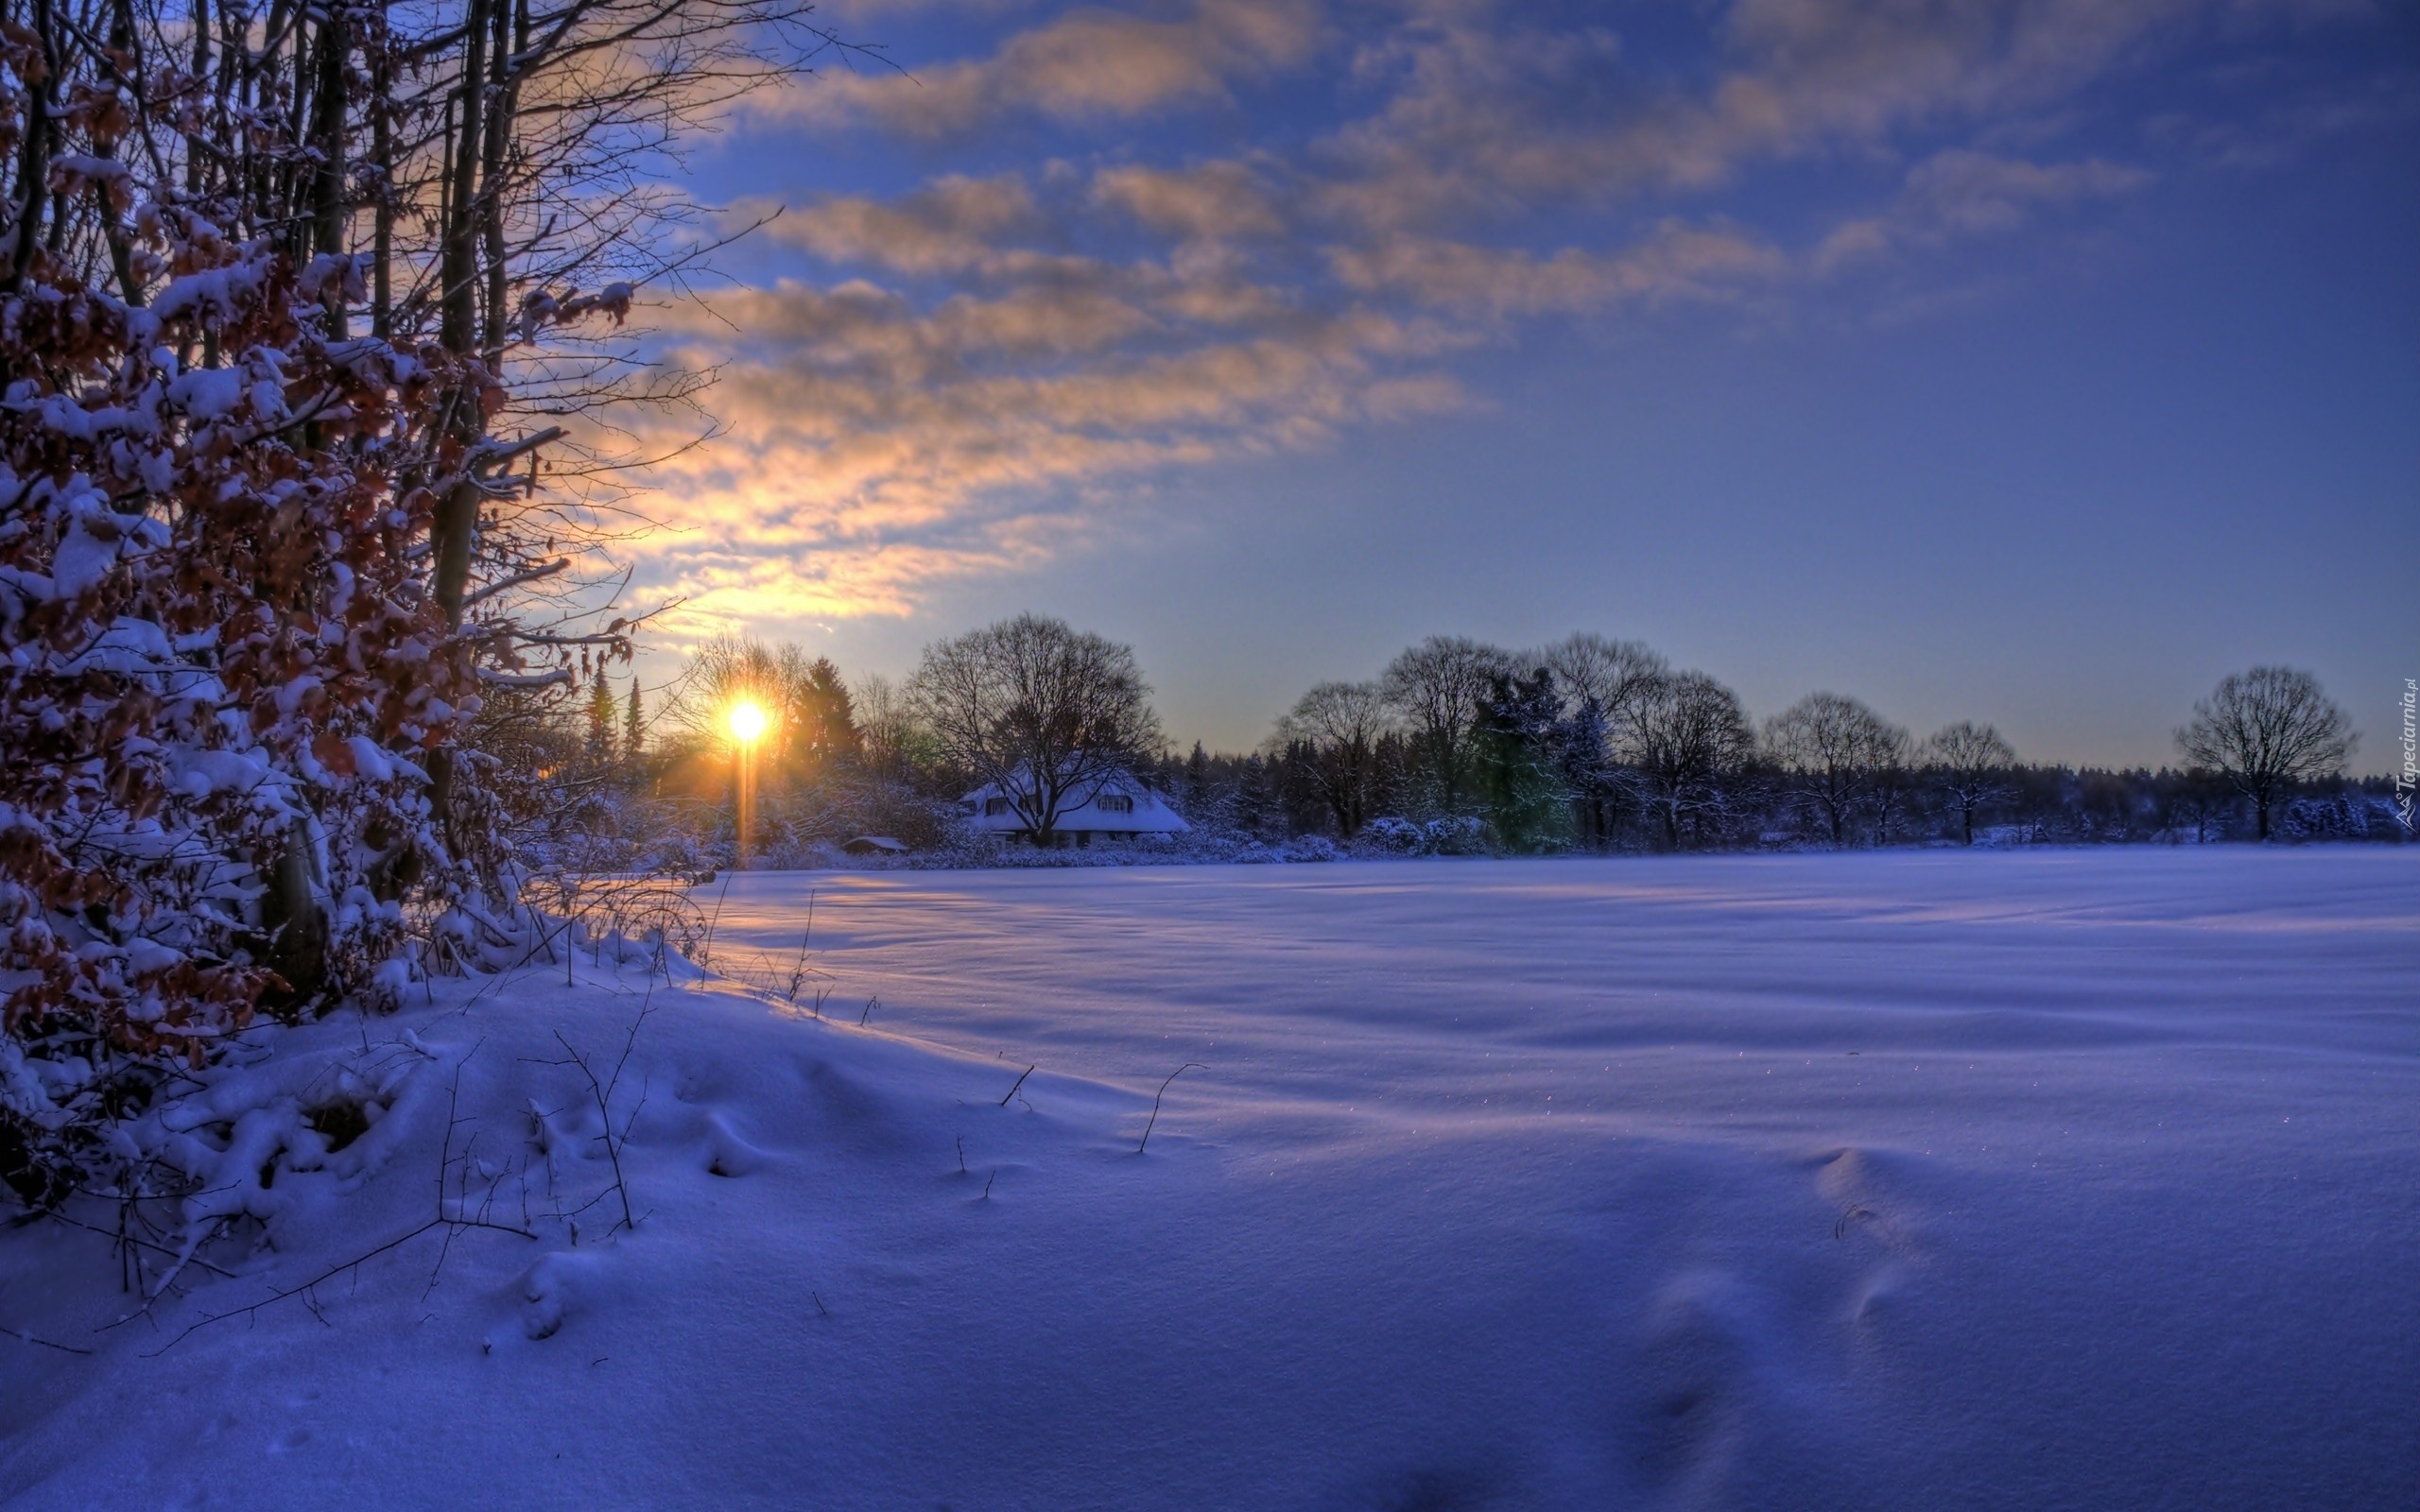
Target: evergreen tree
600, 721
827, 718
1252, 798
1520, 762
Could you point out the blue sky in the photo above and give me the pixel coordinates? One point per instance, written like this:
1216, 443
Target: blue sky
2037, 360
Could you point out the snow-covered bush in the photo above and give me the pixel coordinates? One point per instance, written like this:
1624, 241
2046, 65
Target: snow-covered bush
217, 674
1392, 836
1463, 836
2353, 815
258, 568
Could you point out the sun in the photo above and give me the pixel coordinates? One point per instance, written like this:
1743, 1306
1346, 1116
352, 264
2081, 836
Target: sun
747, 721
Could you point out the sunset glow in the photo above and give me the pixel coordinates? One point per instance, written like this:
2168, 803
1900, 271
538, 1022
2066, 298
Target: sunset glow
746, 721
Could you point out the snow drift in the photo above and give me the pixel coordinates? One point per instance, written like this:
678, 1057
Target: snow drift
1886, 1180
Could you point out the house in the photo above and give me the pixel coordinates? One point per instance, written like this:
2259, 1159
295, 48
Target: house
1117, 808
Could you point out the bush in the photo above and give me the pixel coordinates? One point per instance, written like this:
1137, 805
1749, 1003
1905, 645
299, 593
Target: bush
1392, 837
1462, 835
2344, 816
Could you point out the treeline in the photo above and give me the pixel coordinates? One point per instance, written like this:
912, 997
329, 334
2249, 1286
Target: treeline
1601, 744
1591, 745
1270, 797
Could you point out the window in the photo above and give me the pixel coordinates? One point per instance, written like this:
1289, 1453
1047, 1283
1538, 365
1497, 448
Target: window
995, 807
1116, 803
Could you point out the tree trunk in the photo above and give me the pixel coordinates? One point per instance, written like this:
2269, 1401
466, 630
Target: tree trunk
299, 920
382, 140
296, 925
33, 162
458, 514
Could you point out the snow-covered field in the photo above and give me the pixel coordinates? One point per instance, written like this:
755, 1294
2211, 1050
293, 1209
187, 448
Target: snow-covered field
2045, 1180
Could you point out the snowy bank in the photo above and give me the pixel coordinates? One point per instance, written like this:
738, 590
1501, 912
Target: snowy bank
2073, 1179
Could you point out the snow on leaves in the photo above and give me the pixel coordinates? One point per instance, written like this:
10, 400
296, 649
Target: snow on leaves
215, 653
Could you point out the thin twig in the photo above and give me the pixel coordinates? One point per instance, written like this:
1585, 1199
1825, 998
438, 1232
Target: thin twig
46, 1344
330, 1274
706, 949
129, 1239
1013, 1091
603, 1093
1190, 1065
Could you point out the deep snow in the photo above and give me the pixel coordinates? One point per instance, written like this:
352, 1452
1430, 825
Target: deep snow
2039, 1180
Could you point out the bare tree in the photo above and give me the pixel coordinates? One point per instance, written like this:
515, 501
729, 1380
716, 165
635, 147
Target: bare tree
2265, 729
886, 728
1614, 673
1439, 687
1338, 726
1044, 713
1599, 679
1837, 753
1969, 764
1684, 740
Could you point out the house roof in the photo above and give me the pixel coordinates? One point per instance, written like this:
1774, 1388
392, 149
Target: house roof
1151, 813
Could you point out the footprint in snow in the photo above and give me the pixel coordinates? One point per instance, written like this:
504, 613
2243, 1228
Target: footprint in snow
554, 1288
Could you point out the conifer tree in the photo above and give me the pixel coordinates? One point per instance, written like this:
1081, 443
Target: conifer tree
1520, 741
600, 722
1252, 796
1197, 782
828, 732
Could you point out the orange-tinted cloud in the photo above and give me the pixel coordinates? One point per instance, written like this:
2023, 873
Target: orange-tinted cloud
983, 372
1086, 64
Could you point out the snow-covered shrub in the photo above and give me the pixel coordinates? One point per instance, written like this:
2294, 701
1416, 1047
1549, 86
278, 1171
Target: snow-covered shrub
1461, 836
1392, 836
2341, 816
217, 674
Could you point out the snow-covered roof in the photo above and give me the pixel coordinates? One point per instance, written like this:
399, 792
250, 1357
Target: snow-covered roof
1120, 805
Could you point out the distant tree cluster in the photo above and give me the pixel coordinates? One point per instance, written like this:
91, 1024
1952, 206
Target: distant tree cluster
1456, 747
1595, 744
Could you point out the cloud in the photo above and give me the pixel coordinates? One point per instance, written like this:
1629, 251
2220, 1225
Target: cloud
1962, 193
2286, 128
1486, 119
952, 225
986, 371
1216, 202
874, 449
1088, 64
1675, 262
1976, 192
